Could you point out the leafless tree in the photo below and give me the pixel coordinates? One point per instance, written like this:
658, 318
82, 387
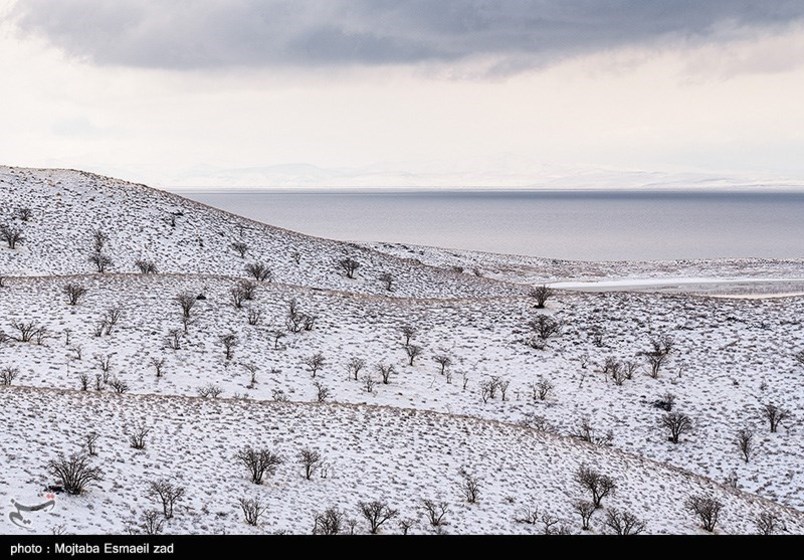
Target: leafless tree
769, 523
322, 392
376, 512
90, 441
254, 316
240, 248
159, 365
745, 441
470, 486
187, 301
541, 389
329, 522
229, 341
238, 296
137, 436
707, 509
585, 432
314, 362
355, 365
665, 402
258, 462
540, 295
74, 472
84, 380
311, 459
152, 522
413, 351
349, 266
11, 235
408, 332
775, 415
101, 261
585, 509
105, 364
385, 372
98, 382
629, 368
111, 318
599, 485
259, 272
165, 492
442, 360
368, 382
99, 240
7, 375
74, 292
435, 511
248, 288
252, 509
545, 326
146, 267
24, 213
623, 522
277, 334
27, 330
502, 385
252, 369
388, 279
118, 385
406, 524
174, 339
659, 354
677, 423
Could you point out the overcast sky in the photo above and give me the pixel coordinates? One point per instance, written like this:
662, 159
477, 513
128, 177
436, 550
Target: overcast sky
397, 92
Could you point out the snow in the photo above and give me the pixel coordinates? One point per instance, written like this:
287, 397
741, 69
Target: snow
402, 441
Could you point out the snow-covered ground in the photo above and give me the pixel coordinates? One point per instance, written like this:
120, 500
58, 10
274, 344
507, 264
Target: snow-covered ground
404, 440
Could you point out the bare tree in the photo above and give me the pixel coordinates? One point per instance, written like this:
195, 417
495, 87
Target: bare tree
252, 369
240, 248
277, 334
623, 522
442, 360
385, 372
435, 512
659, 354
101, 261
27, 330
406, 525
470, 486
349, 266
165, 492
599, 485
545, 326
118, 385
137, 437
187, 301
159, 365
329, 522
229, 341
541, 389
152, 522
24, 213
745, 441
311, 460
254, 316
355, 365
368, 382
588, 434
7, 375
413, 351
105, 364
84, 380
707, 509
74, 292
258, 462
314, 362
775, 415
252, 509
11, 235
74, 472
174, 339
585, 509
90, 441
376, 512
145, 267
322, 392
769, 523
677, 423
540, 295
408, 332
388, 279
210, 390
111, 318
238, 296
259, 272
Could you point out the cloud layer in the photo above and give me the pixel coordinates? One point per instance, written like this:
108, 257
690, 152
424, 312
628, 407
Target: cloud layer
183, 34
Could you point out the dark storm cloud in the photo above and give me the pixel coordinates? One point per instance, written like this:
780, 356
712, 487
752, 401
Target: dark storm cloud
184, 34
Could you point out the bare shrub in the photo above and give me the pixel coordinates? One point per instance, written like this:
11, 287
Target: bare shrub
388, 280
435, 511
349, 266
541, 389
277, 334
585, 432
376, 512
252, 509
623, 522
408, 332
259, 272
23, 213
90, 442
545, 326
137, 436
258, 462
158, 365
165, 492
598, 485
413, 351
470, 486
11, 235
240, 248
238, 296
659, 354
585, 509
254, 316
442, 360
355, 365
101, 261
174, 339
368, 382
322, 392
145, 267
745, 442
540, 295
314, 362
677, 423
252, 369
311, 460
229, 341
386, 371
119, 386
27, 331
707, 509
74, 472
769, 523
187, 301
151, 522
111, 318
329, 522
209, 391
7, 375
74, 292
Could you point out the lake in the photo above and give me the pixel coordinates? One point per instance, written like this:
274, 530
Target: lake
583, 225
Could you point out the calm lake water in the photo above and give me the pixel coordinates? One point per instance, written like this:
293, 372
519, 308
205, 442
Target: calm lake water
599, 225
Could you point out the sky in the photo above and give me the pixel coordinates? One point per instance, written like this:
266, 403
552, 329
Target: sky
406, 92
